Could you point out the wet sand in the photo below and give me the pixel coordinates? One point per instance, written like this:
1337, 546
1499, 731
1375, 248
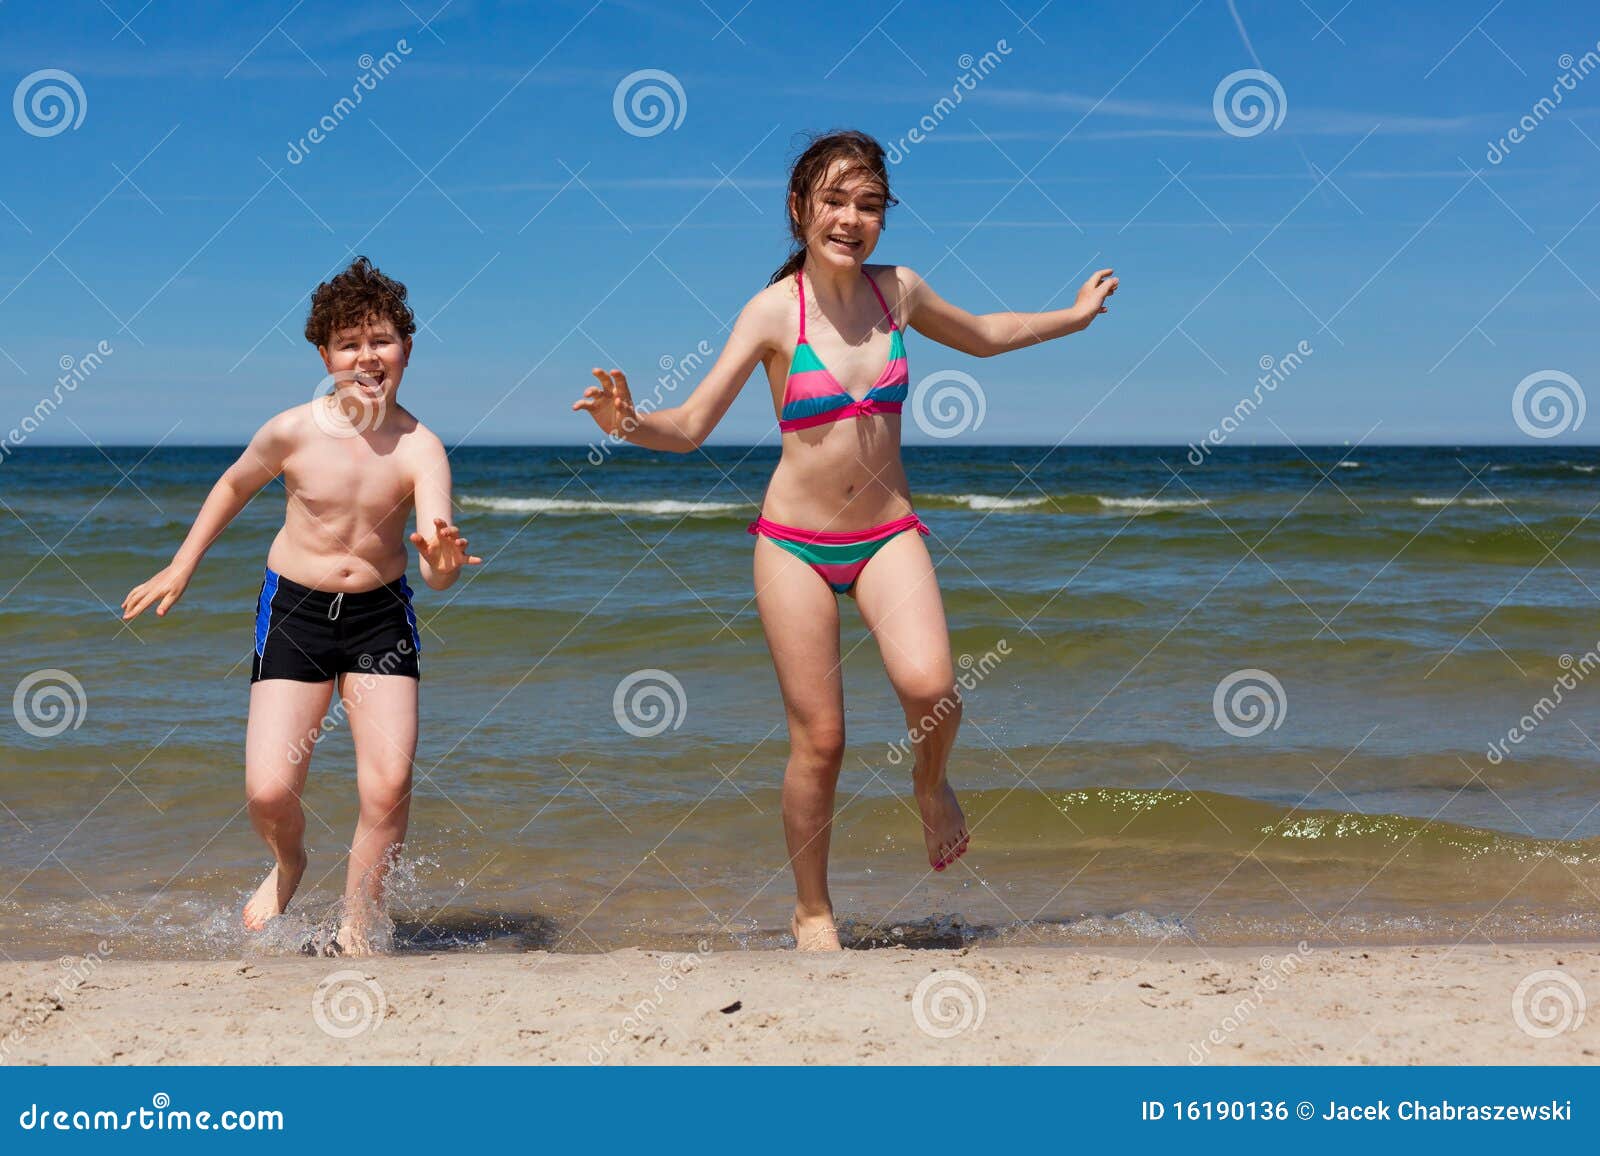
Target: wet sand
1378, 1005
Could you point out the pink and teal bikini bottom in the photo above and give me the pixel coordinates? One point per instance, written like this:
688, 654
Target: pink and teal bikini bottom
838, 556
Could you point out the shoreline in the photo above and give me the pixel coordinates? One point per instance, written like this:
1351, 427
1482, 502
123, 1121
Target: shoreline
1470, 1004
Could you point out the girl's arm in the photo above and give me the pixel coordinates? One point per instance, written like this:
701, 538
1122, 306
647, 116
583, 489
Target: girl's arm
443, 551
992, 333
261, 461
682, 428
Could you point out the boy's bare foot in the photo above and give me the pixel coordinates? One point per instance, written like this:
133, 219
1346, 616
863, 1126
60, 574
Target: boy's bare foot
351, 939
944, 827
272, 897
814, 933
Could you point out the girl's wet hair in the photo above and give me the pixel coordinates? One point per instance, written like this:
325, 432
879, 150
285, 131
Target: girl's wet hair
861, 155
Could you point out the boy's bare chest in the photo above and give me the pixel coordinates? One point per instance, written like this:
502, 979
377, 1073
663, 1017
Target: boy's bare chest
346, 481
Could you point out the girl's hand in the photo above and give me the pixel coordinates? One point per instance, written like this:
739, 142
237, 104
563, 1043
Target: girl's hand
167, 586
1092, 296
610, 403
446, 551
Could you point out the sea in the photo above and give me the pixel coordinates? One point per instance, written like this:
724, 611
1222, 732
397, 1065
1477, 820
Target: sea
1212, 696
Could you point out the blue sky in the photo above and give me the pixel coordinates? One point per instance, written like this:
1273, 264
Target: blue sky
488, 171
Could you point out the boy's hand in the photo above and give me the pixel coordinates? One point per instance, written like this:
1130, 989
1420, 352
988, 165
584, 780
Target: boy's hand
167, 586
610, 403
1092, 296
446, 551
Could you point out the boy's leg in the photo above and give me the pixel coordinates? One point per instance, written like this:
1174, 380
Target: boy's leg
284, 719
382, 709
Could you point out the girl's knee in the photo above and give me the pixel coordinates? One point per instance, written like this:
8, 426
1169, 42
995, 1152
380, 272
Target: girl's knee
274, 802
931, 695
820, 745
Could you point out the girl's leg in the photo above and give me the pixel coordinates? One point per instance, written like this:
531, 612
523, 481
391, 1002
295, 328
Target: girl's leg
800, 616
382, 709
284, 719
899, 600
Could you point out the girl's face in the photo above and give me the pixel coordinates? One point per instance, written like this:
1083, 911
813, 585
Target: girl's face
844, 217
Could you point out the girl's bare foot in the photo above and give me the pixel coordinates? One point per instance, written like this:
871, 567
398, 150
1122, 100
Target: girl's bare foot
272, 897
944, 827
814, 933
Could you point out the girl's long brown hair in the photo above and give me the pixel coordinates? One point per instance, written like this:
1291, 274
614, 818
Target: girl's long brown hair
859, 152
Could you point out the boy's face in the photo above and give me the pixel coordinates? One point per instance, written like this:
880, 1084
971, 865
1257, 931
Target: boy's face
376, 351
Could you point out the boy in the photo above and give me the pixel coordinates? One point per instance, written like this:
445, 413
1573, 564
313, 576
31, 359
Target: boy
335, 600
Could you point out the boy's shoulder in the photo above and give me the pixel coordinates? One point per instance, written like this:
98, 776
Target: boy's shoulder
310, 421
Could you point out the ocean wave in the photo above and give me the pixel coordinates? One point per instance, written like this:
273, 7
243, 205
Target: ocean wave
985, 501
1152, 505
1347, 465
1432, 502
659, 508
1058, 503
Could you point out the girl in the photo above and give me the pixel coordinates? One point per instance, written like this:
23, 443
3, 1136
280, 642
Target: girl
837, 517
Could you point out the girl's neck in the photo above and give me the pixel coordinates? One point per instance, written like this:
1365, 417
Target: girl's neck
834, 283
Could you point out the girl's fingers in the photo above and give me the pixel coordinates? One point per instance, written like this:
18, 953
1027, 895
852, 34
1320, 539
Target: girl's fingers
474, 560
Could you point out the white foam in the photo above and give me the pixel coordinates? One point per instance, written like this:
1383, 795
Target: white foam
990, 502
1348, 465
1457, 502
1151, 505
661, 508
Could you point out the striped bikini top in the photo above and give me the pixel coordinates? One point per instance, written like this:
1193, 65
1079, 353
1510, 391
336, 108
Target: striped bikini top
813, 396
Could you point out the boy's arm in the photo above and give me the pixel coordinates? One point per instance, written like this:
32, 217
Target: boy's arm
992, 333
442, 551
261, 461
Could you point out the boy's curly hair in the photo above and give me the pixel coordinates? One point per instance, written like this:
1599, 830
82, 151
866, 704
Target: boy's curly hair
354, 296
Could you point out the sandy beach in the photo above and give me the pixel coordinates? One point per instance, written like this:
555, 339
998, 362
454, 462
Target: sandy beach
1381, 1005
